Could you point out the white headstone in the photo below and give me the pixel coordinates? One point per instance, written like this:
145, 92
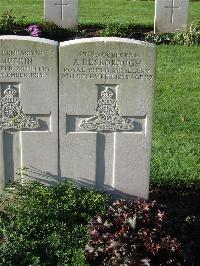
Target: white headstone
63, 13
170, 15
28, 108
106, 93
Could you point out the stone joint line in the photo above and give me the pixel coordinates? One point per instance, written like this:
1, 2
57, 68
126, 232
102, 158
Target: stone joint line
172, 10
62, 5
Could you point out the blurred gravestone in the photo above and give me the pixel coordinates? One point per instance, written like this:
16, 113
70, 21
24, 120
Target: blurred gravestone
63, 13
170, 15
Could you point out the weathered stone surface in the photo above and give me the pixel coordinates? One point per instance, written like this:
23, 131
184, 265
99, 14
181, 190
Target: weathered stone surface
28, 108
64, 13
170, 15
106, 92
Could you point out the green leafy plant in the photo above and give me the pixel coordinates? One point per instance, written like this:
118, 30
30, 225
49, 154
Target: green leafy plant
23, 171
132, 233
117, 30
9, 24
164, 38
42, 225
189, 35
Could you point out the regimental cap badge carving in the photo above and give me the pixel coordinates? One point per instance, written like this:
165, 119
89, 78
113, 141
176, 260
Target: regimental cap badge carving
108, 117
11, 113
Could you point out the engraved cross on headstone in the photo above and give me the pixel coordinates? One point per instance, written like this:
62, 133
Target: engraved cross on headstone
13, 122
62, 5
106, 124
172, 10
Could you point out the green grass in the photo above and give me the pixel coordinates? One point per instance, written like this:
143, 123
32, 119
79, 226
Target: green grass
96, 11
121, 11
176, 144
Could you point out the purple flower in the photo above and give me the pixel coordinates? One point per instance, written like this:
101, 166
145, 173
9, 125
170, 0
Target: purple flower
34, 30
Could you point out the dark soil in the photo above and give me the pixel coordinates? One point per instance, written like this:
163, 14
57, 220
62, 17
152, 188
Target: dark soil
183, 208
89, 31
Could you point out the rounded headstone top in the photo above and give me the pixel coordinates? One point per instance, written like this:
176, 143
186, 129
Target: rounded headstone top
106, 40
28, 38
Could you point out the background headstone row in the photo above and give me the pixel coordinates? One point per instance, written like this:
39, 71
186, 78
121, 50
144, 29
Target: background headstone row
170, 15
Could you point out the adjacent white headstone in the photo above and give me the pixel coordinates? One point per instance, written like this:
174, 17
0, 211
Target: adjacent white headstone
106, 93
28, 108
170, 15
64, 13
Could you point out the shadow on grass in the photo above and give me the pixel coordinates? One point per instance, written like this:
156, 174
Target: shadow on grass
183, 208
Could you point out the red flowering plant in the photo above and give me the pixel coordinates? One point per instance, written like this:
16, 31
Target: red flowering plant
132, 233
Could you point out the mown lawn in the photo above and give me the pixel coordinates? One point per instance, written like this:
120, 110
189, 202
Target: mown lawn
176, 141
96, 11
